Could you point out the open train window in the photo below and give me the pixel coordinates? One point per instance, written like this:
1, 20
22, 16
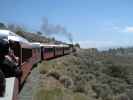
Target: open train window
59, 49
45, 49
38, 50
15, 46
50, 49
26, 54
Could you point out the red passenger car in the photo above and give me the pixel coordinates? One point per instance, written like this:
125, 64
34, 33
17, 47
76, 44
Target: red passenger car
66, 49
23, 50
47, 51
29, 54
36, 53
58, 50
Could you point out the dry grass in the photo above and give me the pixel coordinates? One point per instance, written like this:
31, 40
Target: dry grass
90, 76
58, 94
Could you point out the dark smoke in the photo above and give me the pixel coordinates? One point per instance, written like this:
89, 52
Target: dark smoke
16, 27
50, 29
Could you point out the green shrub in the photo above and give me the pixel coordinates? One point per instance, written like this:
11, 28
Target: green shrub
79, 96
54, 74
53, 94
122, 96
66, 81
102, 90
116, 71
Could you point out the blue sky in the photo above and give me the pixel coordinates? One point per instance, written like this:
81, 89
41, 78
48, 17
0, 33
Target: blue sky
93, 23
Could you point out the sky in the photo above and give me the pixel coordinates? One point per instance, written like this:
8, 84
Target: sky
93, 23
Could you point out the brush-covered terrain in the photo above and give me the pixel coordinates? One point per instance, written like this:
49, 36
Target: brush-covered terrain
84, 75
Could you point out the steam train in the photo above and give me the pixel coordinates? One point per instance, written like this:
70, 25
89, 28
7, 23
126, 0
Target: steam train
29, 54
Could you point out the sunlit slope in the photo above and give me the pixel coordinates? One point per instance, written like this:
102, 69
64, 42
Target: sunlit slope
86, 75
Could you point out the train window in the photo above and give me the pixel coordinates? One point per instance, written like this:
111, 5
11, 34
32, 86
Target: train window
51, 50
38, 49
26, 54
16, 48
46, 50
67, 48
33, 52
59, 49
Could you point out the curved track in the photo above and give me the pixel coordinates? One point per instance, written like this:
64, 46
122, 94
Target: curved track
31, 81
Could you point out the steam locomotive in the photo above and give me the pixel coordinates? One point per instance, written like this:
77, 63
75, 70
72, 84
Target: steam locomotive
29, 54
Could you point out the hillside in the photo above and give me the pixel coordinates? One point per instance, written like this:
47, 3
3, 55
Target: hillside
36, 37
85, 75
30, 36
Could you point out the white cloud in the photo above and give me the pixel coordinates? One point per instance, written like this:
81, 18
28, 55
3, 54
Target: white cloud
128, 29
121, 29
95, 44
103, 44
112, 27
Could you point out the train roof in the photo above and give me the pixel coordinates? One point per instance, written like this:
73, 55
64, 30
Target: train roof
50, 45
35, 44
12, 36
54, 45
5, 33
64, 45
38, 43
61, 45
